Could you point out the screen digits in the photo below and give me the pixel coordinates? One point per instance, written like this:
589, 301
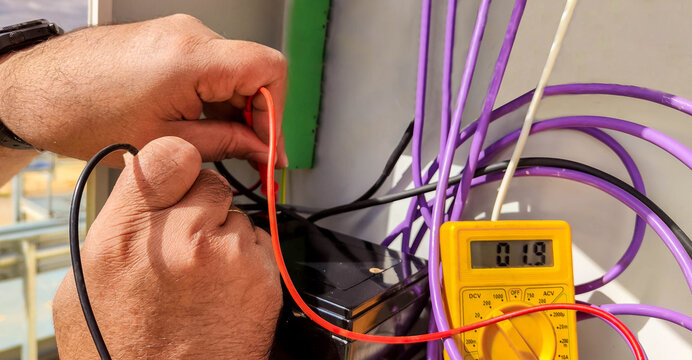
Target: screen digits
511, 253
539, 251
502, 260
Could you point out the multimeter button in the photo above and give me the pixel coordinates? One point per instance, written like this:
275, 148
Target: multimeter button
542, 295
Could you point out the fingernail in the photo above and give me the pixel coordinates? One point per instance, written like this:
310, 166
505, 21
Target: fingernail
283, 161
127, 158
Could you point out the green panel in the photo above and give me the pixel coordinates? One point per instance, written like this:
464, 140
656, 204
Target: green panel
305, 42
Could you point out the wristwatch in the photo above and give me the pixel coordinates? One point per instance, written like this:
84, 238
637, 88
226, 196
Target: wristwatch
17, 37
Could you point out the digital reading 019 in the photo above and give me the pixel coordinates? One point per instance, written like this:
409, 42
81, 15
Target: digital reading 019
511, 254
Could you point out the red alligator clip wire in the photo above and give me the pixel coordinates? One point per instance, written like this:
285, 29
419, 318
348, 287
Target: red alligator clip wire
262, 168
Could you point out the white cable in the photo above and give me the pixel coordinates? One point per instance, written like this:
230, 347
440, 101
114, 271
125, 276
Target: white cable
533, 107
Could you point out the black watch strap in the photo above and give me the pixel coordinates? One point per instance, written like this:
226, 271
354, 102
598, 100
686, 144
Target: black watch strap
11, 140
19, 36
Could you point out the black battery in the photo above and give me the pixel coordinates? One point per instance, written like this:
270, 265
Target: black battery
354, 284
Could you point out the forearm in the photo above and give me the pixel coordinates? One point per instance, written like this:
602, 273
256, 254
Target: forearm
13, 161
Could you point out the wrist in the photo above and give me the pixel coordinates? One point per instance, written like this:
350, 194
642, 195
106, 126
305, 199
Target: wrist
8, 136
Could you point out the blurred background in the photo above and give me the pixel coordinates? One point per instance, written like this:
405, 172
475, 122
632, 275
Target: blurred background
34, 207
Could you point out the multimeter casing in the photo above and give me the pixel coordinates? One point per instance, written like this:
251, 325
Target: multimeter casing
473, 294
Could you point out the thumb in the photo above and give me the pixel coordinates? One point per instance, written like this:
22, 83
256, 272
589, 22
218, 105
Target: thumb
221, 139
159, 176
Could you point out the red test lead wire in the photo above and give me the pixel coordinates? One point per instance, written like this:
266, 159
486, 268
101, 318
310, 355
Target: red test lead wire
261, 168
271, 199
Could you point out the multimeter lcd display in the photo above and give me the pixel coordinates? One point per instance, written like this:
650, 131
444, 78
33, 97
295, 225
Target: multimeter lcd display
511, 254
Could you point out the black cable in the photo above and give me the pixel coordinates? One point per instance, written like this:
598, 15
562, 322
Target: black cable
284, 207
674, 227
254, 187
523, 163
74, 245
260, 203
238, 185
391, 162
385, 199
388, 168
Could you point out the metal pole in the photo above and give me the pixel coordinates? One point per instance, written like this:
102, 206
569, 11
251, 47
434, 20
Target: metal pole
30, 351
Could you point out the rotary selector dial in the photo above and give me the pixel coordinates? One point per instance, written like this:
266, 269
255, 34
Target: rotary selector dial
527, 337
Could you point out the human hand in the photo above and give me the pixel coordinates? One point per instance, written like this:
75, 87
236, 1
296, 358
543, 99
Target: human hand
132, 83
171, 272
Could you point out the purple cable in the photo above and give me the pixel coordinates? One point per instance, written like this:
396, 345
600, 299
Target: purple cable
644, 310
447, 65
637, 181
421, 83
653, 136
641, 310
669, 100
581, 316
414, 212
626, 198
433, 347
484, 120
639, 223
438, 207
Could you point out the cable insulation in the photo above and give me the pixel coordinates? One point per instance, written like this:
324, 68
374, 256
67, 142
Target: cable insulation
75, 255
391, 163
533, 107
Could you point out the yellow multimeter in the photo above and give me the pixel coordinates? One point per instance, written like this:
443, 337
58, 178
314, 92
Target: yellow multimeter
494, 267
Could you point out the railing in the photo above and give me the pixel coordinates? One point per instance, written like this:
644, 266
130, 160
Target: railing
26, 250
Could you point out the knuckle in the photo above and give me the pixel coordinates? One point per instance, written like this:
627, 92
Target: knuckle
184, 36
216, 188
271, 57
280, 61
183, 19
